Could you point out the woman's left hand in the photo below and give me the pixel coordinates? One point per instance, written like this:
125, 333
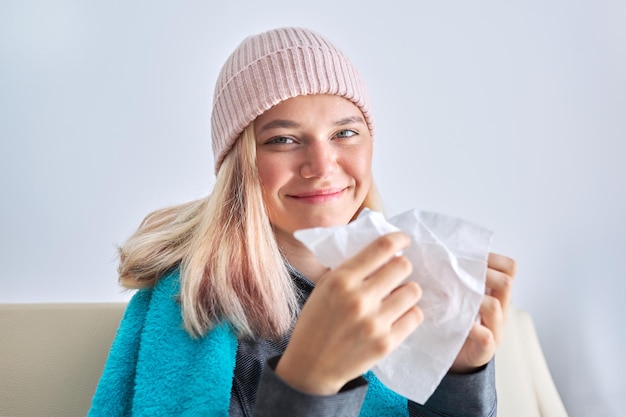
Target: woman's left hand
485, 337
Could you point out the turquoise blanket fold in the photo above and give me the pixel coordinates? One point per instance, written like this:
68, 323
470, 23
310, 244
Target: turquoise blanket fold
155, 369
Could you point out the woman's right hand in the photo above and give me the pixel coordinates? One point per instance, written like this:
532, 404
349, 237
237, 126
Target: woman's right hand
356, 315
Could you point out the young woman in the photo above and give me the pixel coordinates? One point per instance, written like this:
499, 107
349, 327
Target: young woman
233, 315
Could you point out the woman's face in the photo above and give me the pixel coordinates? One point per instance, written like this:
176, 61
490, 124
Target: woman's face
314, 156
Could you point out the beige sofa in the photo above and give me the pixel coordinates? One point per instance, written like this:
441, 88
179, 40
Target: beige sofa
51, 357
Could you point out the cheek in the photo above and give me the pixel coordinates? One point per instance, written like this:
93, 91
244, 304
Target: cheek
263, 162
360, 165
271, 171
265, 173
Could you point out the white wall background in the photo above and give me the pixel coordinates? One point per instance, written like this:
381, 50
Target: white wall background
513, 116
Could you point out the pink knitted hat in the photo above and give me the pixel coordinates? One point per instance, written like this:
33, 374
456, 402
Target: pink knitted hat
271, 67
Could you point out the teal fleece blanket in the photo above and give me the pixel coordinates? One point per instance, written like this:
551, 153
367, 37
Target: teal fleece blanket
155, 369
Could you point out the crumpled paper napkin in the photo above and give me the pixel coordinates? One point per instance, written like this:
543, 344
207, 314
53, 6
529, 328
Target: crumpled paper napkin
449, 258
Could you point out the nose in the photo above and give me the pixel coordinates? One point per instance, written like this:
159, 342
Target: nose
320, 160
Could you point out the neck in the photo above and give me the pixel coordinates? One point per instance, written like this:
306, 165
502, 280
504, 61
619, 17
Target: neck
299, 256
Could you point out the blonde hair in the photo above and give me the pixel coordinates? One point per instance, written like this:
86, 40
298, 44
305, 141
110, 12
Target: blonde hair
231, 267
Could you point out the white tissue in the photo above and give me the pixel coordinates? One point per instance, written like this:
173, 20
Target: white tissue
449, 258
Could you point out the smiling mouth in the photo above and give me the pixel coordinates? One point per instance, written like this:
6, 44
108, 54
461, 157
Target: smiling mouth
319, 196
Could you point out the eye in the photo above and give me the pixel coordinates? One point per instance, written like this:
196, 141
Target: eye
280, 140
348, 133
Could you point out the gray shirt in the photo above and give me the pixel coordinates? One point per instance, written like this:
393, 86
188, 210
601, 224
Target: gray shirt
257, 390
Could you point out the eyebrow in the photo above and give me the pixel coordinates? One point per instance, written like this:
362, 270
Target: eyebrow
349, 120
279, 123
284, 123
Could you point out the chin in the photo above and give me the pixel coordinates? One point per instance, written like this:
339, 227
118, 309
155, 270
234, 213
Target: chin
329, 221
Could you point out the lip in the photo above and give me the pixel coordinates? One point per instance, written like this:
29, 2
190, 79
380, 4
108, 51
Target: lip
319, 196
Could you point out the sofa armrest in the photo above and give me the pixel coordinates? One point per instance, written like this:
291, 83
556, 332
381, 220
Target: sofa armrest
52, 356
523, 380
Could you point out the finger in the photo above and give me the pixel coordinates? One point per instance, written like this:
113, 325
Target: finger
477, 350
387, 278
500, 286
502, 263
491, 317
406, 324
400, 301
374, 255
484, 344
